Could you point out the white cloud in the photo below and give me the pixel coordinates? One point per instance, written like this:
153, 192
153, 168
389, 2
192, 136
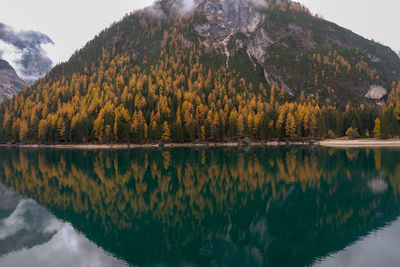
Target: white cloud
9, 53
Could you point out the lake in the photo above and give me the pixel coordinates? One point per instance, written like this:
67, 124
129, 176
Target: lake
278, 206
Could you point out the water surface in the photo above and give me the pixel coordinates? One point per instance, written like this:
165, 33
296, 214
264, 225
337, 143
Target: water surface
290, 206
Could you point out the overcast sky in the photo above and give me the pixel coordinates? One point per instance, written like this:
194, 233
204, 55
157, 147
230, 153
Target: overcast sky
70, 24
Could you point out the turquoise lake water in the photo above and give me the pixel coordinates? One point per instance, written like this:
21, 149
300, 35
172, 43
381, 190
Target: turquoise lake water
283, 206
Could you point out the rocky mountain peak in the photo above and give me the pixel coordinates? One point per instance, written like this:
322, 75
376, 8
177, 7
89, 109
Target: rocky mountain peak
225, 18
4, 65
10, 82
228, 18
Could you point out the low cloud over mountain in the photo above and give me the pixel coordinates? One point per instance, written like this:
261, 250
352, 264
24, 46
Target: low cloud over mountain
23, 49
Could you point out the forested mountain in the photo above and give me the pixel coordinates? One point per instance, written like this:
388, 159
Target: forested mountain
10, 82
215, 70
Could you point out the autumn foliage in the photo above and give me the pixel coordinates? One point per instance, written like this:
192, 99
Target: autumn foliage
116, 90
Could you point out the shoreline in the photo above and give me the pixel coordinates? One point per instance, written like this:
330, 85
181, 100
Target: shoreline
333, 143
360, 143
166, 145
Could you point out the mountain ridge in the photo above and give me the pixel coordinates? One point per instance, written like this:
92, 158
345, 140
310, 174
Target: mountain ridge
254, 36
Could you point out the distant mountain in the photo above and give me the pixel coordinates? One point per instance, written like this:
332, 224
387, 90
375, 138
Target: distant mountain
10, 82
210, 70
24, 51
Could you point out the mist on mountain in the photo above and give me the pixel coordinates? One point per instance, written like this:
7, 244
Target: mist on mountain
23, 50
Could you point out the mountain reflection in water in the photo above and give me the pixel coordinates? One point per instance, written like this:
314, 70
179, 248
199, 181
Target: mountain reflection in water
222, 206
31, 236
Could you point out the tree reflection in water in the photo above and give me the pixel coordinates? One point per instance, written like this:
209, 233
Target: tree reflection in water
219, 206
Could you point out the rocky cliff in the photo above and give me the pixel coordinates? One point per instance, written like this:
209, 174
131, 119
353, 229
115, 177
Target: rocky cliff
296, 50
10, 83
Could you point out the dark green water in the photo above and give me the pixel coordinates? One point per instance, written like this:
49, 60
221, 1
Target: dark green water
295, 206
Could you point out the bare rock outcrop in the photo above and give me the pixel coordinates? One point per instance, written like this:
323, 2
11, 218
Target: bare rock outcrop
228, 18
376, 92
243, 22
10, 82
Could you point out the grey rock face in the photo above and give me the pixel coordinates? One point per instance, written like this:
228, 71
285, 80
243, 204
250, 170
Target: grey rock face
10, 82
244, 18
257, 47
376, 92
226, 18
